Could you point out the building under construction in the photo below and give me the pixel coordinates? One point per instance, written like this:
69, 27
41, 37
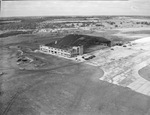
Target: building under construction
73, 45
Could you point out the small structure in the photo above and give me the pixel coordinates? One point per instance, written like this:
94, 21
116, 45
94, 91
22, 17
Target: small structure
118, 43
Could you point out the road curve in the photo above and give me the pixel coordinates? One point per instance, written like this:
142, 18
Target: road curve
140, 85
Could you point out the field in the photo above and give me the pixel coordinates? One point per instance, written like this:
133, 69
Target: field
13, 33
33, 83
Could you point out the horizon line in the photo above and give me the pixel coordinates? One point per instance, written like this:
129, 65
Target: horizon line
73, 16
66, 0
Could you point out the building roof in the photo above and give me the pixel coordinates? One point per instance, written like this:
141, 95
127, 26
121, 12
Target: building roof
77, 40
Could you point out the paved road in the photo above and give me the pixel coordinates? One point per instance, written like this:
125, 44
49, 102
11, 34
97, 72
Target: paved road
140, 85
127, 69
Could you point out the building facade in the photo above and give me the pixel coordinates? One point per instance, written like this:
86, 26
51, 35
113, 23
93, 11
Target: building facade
68, 52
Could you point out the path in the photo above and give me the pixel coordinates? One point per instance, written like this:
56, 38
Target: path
140, 85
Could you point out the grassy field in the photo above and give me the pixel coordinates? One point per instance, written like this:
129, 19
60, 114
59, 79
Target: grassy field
13, 33
67, 90
60, 87
138, 32
145, 73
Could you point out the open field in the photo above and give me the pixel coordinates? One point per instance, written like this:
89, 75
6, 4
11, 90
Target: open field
13, 33
70, 89
133, 33
33, 83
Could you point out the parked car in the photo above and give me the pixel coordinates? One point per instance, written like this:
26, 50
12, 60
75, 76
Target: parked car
90, 57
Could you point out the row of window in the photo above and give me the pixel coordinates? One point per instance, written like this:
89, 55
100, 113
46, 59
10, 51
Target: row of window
55, 52
51, 48
60, 53
55, 49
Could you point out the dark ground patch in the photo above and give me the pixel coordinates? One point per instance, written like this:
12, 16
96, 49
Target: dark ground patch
72, 91
14, 33
145, 72
138, 32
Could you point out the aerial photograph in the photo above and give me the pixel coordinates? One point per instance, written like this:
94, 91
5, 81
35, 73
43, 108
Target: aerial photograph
75, 57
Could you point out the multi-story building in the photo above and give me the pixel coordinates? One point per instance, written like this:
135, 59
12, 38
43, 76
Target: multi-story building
73, 45
66, 52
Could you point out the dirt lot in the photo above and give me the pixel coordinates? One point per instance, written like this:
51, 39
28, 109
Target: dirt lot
59, 86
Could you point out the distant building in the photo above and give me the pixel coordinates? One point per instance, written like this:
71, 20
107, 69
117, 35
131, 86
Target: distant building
73, 45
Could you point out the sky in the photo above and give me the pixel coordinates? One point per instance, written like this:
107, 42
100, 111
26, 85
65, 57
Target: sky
74, 7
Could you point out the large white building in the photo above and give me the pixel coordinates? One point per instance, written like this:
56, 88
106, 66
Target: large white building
73, 45
66, 52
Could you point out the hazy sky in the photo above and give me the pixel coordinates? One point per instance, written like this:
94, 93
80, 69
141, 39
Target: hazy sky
75, 7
